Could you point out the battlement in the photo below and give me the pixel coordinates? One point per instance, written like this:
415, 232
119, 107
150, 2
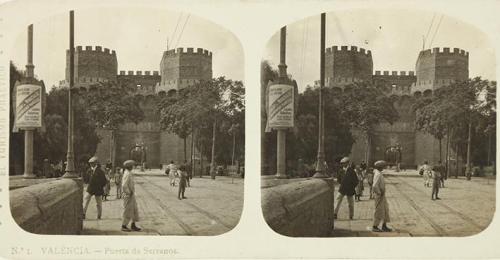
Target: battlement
178, 51
350, 49
445, 51
95, 49
139, 73
395, 73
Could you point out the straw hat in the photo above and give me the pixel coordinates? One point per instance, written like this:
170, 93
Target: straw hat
129, 163
94, 159
380, 163
345, 160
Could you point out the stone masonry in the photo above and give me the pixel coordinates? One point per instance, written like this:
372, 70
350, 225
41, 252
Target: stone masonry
434, 68
178, 69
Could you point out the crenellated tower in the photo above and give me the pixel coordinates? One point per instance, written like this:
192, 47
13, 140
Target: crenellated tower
439, 67
92, 65
347, 65
181, 68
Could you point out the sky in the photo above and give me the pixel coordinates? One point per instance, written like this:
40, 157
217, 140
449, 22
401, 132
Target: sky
395, 39
139, 37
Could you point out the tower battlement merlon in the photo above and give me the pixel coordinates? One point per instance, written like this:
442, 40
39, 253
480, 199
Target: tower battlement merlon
350, 49
95, 49
146, 73
446, 51
394, 73
190, 50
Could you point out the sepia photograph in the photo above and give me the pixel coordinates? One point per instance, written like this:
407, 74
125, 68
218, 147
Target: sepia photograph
378, 123
126, 121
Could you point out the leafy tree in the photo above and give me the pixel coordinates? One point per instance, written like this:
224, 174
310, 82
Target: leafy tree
52, 143
338, 138
364, 105
110, 105
208, 108
16, 140
454, 109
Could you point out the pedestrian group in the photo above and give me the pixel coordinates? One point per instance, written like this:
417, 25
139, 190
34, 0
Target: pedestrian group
351, 181
98, 185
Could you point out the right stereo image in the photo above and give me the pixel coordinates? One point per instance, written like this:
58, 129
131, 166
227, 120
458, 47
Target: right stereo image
378, 123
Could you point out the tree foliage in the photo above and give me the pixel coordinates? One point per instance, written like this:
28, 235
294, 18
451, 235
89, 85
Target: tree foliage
365, 105
110, 105
195, 109
452, 107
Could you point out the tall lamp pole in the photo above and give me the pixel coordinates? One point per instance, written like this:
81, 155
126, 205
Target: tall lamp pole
70, 158
320, 164
28, 132
281, 133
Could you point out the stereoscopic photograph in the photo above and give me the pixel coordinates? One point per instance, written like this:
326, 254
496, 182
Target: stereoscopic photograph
378, 123
126, 121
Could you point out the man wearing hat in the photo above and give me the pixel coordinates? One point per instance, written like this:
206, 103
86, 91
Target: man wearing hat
97, 181
381, 213
130, 209
347, 186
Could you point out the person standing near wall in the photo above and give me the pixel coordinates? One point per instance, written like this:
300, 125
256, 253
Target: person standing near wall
130, 209
381, 213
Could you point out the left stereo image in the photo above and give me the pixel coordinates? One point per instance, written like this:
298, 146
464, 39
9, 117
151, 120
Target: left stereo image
126, 122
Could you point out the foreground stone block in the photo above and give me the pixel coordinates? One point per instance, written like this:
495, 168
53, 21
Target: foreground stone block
298, 207
53, 207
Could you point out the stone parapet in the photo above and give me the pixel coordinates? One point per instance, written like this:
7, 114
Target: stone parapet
53, 207
298, 207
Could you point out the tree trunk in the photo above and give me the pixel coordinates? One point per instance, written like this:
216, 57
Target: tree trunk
468, 169
201, 161
193, 155
489, 148
113, 149
212, 161
368, 149
447, 154
440, 151
185, 148
234, 147
456, 169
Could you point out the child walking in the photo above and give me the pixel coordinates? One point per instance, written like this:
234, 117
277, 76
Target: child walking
360, 187
183, 181
118, 182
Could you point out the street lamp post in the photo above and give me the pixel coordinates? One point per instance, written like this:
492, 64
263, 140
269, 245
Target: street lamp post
320, 164
29, 132
281, 132
70, 158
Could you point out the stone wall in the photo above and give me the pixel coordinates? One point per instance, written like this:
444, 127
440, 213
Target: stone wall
53, 207
427, 148
172, 148
127, 140
298, 207
143, 81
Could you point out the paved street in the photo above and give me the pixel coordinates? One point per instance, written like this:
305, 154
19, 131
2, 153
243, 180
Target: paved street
212, 207
466, 208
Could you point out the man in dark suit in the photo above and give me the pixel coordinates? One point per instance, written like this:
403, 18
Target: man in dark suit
347, 186
96, 183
